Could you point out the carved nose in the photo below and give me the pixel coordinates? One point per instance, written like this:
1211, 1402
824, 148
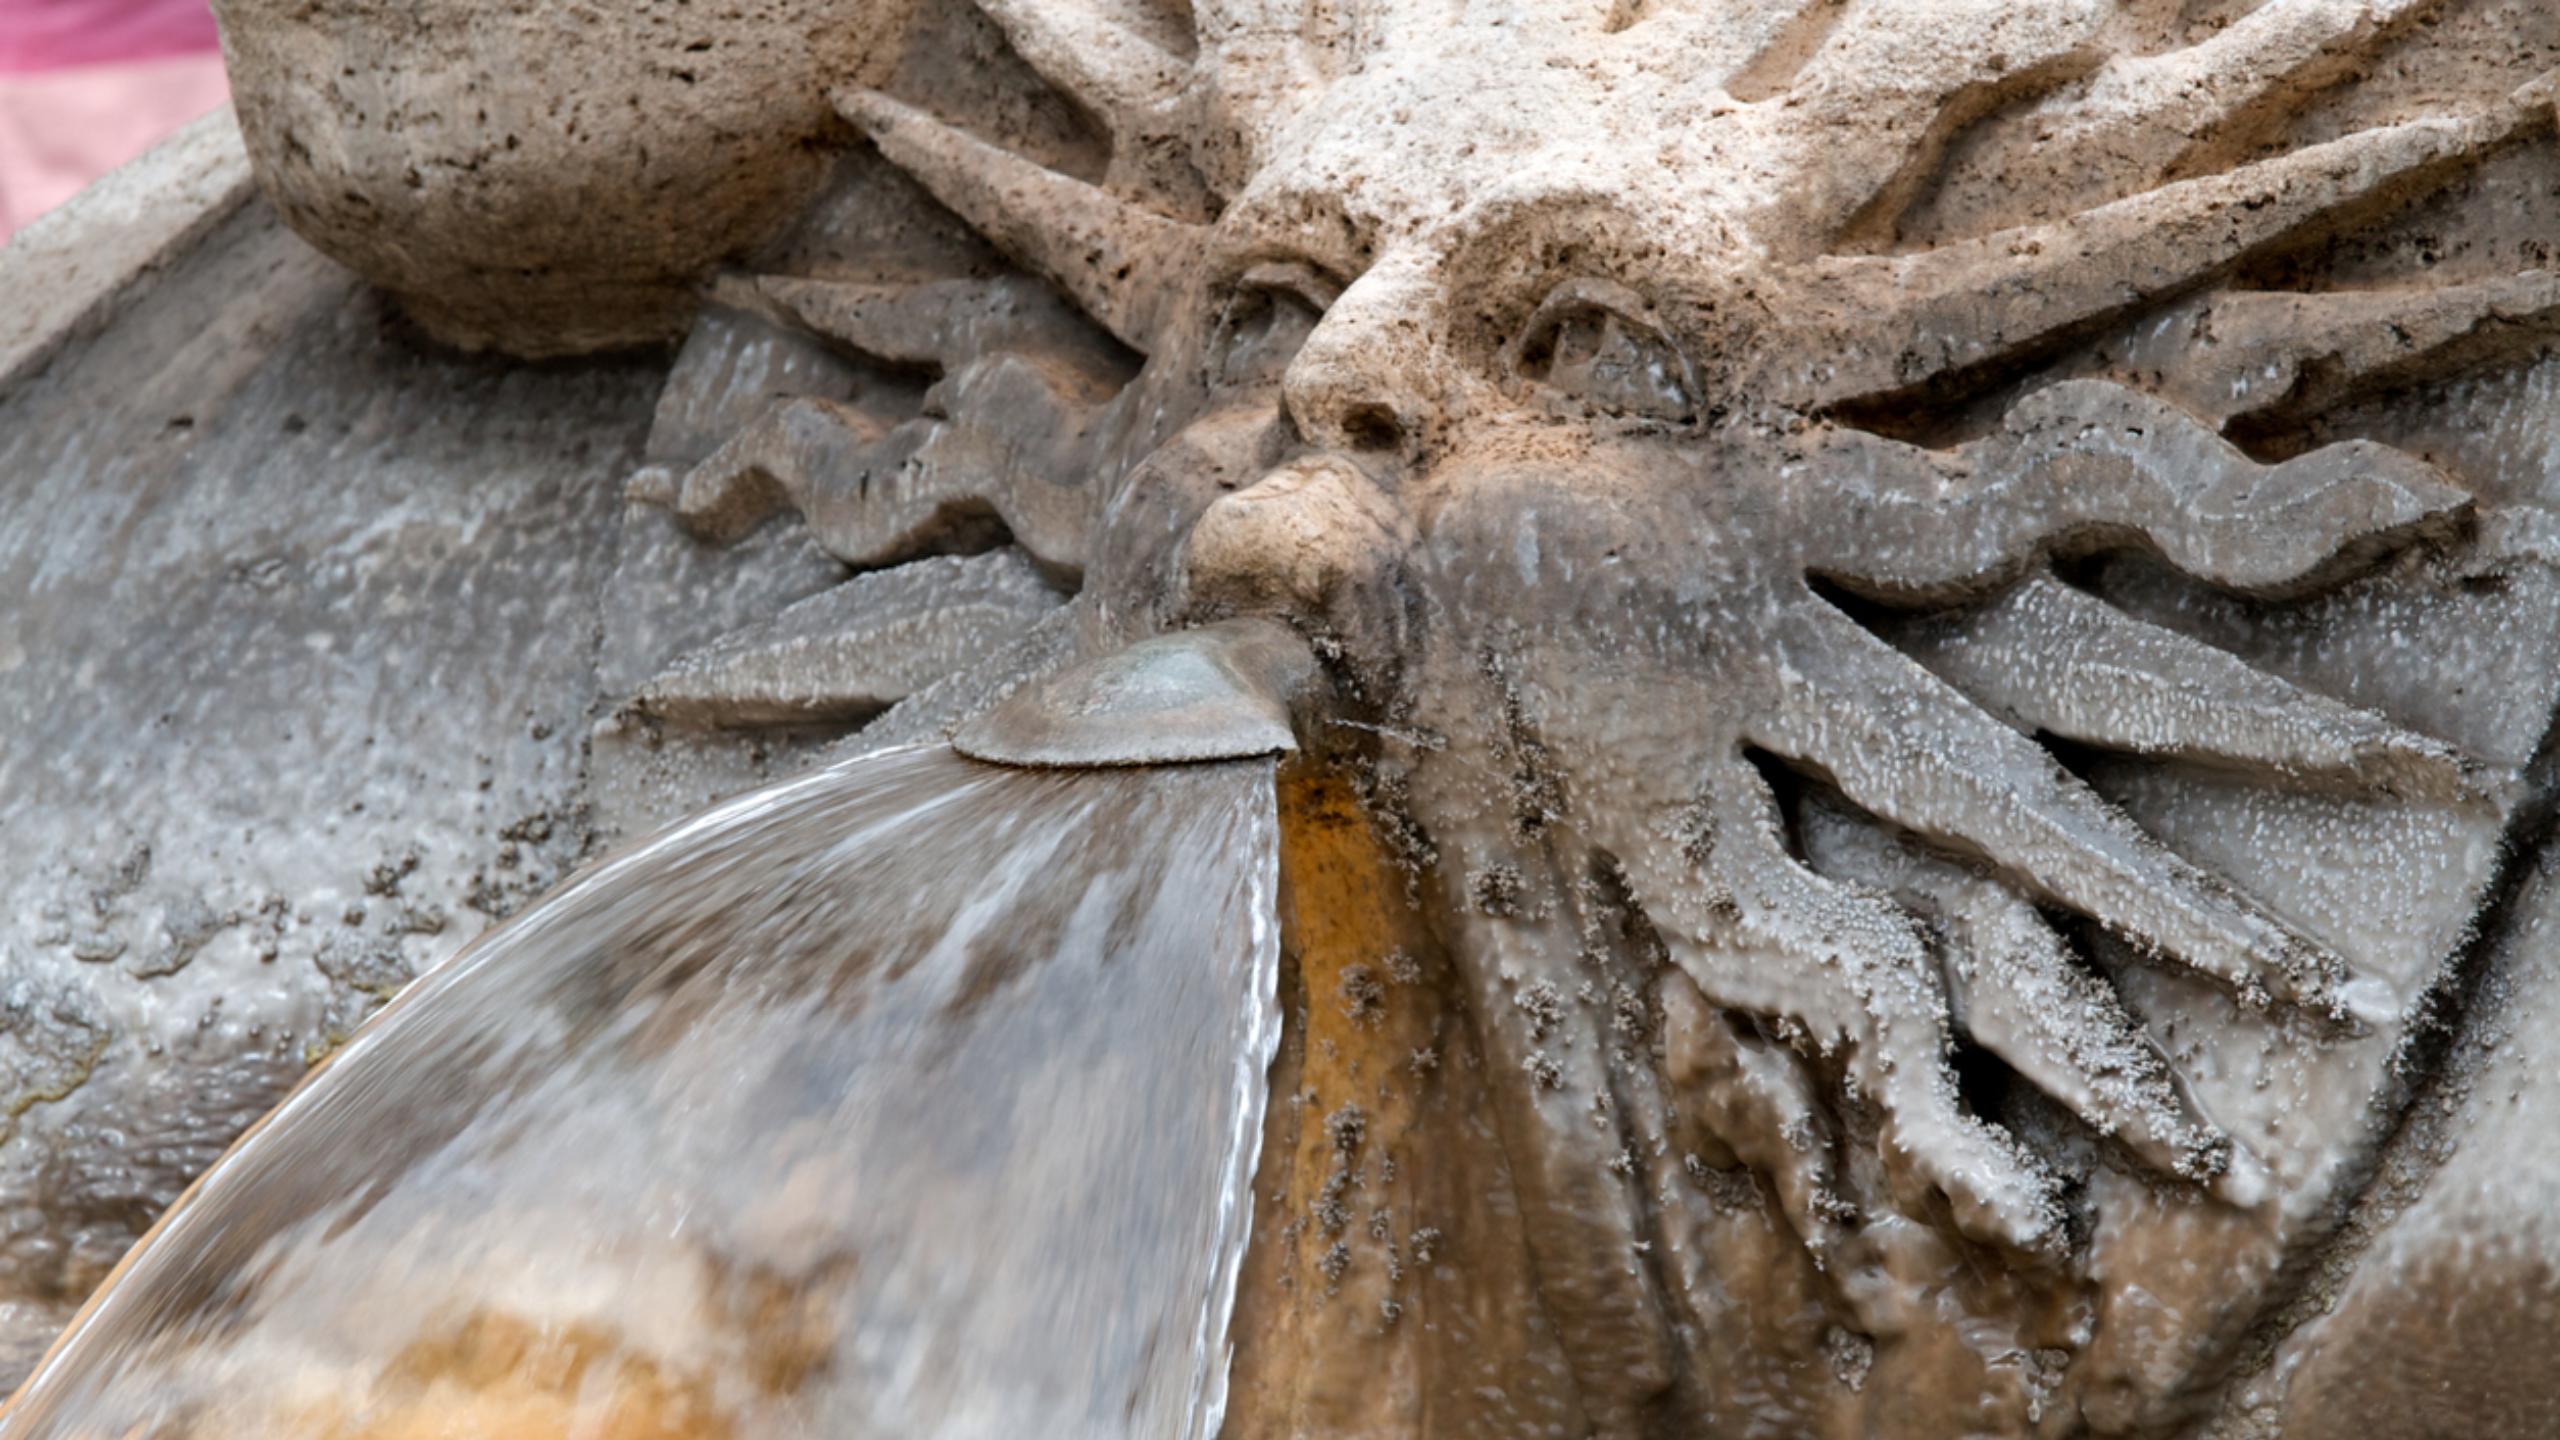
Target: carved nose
1366, 378
1304, 540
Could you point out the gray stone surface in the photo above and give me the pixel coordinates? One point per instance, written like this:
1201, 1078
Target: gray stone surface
67, 273
297, 659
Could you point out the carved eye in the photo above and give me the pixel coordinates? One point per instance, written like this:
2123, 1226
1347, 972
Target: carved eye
1595, 343
1270, 311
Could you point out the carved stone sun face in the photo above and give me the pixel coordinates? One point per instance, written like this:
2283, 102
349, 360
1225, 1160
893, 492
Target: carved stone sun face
1705, 583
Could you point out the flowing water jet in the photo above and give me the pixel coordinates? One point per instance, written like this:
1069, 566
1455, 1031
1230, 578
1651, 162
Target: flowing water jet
916, 1097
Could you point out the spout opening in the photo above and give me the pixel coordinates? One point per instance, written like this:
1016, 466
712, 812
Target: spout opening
1227, 691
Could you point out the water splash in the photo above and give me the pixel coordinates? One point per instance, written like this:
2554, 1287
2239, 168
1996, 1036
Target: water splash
915, 1098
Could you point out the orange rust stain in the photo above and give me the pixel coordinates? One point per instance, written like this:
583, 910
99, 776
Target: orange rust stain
1332, 1293
497, 1377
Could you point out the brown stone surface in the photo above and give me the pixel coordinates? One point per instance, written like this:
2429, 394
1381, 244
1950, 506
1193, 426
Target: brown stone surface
541, 179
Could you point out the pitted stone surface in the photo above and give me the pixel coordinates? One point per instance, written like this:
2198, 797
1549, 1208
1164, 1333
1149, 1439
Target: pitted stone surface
297, 662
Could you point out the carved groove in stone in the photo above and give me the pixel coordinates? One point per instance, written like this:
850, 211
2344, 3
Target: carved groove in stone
2047, 657
857, 649
1110, 256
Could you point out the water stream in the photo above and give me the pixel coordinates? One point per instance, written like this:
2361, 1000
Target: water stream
913, 1098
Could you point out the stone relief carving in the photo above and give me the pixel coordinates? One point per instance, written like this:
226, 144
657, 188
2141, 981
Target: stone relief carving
1938, 622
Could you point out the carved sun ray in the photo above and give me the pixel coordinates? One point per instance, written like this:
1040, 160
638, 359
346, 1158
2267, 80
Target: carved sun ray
1111, 256
1923, 316
855, 650
1131, 68
2053, 659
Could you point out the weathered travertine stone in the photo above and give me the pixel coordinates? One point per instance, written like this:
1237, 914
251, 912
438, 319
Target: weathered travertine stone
539, 178
1938, 623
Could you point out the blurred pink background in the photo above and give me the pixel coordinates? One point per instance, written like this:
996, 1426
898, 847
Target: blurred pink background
86, 85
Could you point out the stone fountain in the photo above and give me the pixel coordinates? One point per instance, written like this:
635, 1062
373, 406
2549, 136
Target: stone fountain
1913, 639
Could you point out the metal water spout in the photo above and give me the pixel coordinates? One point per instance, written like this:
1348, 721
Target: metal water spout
1220, 692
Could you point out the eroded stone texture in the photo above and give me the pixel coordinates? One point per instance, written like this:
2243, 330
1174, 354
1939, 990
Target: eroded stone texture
1938, 623
296, 657
542, 178
553, 179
